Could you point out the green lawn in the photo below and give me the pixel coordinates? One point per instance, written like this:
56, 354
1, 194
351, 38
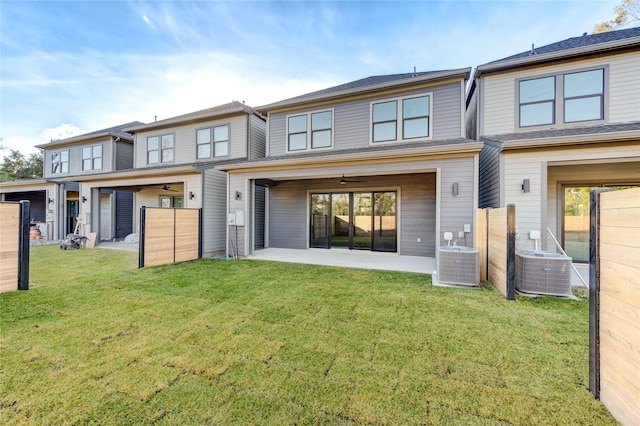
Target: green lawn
246, 342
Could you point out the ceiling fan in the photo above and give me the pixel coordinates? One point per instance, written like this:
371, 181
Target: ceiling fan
167, 188
344, 180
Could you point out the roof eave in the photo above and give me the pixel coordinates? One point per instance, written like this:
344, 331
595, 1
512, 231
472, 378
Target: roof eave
457, 73
177, 121
632, 135
562, 54
472, 147
82, 139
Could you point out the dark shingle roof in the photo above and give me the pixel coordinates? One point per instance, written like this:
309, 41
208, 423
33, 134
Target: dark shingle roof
584, 40
230, 108
117, 131
574, 131
366, 83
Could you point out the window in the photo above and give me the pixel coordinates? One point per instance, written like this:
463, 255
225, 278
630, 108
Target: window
537, 101
580, 96
584, 96
415, 112
220, 137
60, 162
92, 157
310, 131
160, 149
168, 202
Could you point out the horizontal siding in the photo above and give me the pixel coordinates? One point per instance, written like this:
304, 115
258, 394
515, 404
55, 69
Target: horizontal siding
520, 166
214, 212
499, 95
352, 119
124, 214
458, 210
288, 216
124, 155
185, 141
75, 159
489, 179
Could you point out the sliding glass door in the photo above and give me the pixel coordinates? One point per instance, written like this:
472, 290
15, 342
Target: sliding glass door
354, 221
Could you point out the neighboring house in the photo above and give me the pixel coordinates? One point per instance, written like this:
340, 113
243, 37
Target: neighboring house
379, 164
556, 121
56, 198
173, 166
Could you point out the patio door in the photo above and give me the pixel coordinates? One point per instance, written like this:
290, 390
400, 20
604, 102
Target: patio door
353, 220
575, 232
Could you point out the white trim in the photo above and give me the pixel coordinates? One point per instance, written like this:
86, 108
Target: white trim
309, 131
400, 120
267, 138
436, 243
463, 110
476, 197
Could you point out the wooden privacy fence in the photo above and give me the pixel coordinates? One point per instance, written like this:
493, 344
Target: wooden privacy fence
614, 296
496, 243
14, 245
169, 236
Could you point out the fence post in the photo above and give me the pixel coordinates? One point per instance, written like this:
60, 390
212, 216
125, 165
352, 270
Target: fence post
511, 252
23, 245
141, 238
594, 290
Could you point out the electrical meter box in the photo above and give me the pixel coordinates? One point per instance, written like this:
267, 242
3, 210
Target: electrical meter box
236, 218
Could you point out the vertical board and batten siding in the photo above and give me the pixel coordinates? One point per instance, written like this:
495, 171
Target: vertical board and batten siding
95, 213
533, 166
75, 159
489, 179
352, 119
124, 213
259, 215
622, 92
170, 236
124, 155
497, 249
214, 212
9, 246
619, 313
257, 137
184, 142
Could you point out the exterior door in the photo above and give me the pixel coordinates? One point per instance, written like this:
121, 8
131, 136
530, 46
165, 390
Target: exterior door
72, 215
353, 220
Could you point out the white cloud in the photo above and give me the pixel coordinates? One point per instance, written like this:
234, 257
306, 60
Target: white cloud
62, 131
146, 19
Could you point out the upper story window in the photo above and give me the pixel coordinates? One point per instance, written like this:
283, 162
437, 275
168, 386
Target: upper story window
401, 119
579, 94
92, 157
212, 140
310, 131
160, 149
60, 162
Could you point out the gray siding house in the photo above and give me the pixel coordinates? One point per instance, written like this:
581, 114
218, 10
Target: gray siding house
56, 203
556, 121
173, 165
378, 164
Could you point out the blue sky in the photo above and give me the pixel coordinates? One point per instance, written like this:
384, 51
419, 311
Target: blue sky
70, 67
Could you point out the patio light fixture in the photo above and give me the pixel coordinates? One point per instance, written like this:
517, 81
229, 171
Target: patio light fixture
191, 195
454, 188
526, 187
238, 195
84, 199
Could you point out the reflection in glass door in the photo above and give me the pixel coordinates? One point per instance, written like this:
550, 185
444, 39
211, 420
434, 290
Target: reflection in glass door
319, 232
576, 220
361, 223
354, 220
340, 220
384, 221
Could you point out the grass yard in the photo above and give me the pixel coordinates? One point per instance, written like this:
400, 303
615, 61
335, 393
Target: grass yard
247, 342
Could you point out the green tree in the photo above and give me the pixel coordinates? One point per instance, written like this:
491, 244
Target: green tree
16, 166
626, 12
